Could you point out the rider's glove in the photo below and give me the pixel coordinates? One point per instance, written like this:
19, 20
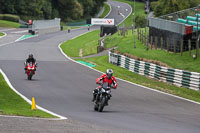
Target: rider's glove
97, 82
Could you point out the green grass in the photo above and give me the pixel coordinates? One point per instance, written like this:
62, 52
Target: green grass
139, 10
102, 64
13, 104
1, 34
9, 24
125, 45
106, 10
88, 43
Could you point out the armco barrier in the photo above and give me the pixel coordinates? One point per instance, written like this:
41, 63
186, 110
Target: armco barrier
177, 77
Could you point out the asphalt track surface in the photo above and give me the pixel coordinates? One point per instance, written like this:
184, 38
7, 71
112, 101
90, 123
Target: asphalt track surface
65, 87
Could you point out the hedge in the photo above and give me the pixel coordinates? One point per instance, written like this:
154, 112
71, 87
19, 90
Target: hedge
9, 17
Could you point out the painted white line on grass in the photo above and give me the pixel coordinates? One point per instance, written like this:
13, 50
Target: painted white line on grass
26, 99
129, 81
3, 35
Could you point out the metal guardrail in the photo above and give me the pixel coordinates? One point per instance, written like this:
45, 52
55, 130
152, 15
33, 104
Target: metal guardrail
177, 77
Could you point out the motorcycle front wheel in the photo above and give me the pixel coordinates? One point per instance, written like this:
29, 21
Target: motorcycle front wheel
30, 76
102, 104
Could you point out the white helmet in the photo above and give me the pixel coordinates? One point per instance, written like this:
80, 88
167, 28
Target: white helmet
109, 73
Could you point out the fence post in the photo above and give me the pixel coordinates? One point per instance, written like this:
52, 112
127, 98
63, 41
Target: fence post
167, 44
161, 41
138, 34
174, 46
142, 36
181, 47
189, 46
156, 41
151, 42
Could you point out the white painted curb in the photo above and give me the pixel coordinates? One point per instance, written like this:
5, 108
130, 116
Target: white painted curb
27, 100
110, 9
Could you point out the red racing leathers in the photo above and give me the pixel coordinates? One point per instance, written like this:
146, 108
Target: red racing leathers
104, 79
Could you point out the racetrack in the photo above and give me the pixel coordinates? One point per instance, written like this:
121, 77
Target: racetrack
65, 87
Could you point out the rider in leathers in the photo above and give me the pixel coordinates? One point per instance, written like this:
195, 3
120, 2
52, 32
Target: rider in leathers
30, 59
105, 78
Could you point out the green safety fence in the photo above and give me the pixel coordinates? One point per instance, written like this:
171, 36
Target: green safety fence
177, 77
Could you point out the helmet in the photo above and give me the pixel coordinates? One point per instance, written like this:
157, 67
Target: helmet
109, 73
30, 56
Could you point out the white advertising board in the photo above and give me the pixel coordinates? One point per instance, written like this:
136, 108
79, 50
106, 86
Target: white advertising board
99, 21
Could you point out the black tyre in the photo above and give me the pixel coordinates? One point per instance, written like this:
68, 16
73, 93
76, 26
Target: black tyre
30, 76
102, 104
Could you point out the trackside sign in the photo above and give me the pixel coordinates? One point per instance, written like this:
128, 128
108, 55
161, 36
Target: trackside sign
99, 21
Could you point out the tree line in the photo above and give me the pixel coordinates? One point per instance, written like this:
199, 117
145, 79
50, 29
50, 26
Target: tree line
67, 10
162, 7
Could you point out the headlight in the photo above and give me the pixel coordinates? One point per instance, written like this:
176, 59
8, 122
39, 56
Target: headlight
108, 91
103, 90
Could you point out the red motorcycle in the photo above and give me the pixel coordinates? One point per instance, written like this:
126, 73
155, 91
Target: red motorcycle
30, 70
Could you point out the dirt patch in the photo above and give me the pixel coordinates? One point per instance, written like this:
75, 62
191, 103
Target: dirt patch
81, 52
142, 59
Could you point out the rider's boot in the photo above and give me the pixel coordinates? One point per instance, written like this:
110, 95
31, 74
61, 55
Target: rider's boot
94, 95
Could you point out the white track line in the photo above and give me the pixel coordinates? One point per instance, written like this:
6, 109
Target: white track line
110, 9
7, 29
20, 31
35, 118
26, 99
126, 80
128, 14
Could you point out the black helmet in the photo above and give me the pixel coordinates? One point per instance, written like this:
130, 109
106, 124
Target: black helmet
109, 73
30, 56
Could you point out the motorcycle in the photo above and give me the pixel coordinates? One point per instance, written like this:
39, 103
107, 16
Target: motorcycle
104, 94
30, 70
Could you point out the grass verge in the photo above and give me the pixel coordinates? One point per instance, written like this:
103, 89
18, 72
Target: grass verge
106, 10
102, 64
88, 43
9, 24
125, 45
1, 34
13, 104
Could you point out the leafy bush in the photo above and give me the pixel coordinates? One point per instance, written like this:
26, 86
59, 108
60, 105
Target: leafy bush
140, 21
9, 17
